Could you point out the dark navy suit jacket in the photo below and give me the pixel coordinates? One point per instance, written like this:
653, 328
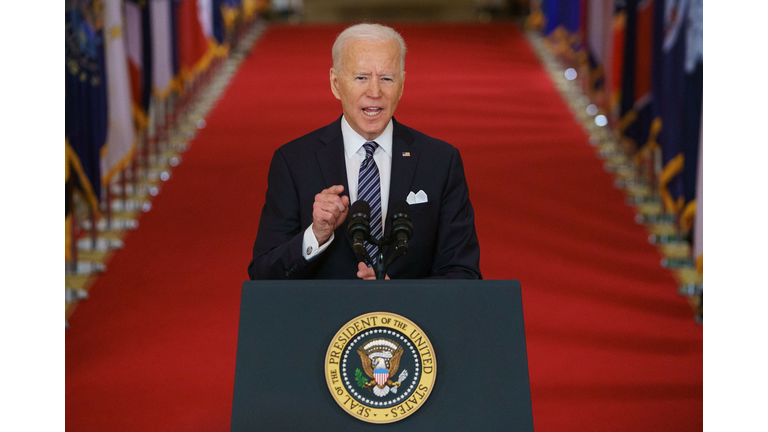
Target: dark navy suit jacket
444, 242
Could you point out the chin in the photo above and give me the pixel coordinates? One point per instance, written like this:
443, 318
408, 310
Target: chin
375, 127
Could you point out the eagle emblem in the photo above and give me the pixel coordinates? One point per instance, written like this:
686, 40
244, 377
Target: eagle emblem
381, 360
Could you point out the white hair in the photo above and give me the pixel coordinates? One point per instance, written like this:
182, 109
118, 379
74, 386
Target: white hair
372, 32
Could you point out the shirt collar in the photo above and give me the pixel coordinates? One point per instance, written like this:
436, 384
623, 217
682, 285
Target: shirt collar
353, 141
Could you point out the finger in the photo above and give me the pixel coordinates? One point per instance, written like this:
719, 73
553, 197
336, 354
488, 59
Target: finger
335, 190
365, 272
328, 207
323, 216
345, 206
366, 275
331, 199
330, 214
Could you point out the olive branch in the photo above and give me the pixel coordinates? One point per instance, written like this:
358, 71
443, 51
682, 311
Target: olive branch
360, 379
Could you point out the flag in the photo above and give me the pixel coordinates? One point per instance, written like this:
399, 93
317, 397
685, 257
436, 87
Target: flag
692, 105
595, 53
562, 24
138, 42
120, 141
163, 75
599, 42
698, 225
85, 98
230, 10
678, 93
618, 36
205, 16
636, 112
192, 43
219, 26
561, 13
251, 8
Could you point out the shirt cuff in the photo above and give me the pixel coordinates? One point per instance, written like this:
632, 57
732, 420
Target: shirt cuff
309, 247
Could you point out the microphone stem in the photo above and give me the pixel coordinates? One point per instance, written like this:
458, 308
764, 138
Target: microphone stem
380, 268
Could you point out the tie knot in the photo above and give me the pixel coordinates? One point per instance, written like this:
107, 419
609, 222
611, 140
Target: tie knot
370, 147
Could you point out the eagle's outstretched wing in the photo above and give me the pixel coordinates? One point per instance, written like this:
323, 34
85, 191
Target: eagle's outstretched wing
367, 367
394, 362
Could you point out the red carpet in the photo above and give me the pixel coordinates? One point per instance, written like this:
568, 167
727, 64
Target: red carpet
611, 346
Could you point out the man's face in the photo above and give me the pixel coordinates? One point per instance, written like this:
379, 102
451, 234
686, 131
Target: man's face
369, 85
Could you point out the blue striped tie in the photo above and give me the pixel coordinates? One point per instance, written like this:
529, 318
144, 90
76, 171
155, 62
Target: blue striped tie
368, 189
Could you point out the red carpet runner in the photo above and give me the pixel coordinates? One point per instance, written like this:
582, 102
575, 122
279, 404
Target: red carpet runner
611, 346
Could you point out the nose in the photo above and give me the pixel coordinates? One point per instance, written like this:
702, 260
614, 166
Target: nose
374, 89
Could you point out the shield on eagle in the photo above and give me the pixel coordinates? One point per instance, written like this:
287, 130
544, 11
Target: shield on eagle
381, 376
381, 359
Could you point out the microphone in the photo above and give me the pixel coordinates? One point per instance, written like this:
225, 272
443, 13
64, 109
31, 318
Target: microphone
402, 228
359, 225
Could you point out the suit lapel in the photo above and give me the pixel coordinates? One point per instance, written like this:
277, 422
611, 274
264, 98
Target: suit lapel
332, 161
403, 168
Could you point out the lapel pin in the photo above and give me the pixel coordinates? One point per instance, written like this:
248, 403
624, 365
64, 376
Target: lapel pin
406, 154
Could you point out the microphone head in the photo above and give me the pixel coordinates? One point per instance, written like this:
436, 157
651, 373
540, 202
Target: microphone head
400, 209
359, 216
360, 208
401, 219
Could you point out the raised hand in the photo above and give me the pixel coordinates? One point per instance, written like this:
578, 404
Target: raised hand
328, 212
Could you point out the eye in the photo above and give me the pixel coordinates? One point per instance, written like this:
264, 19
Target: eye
360, 78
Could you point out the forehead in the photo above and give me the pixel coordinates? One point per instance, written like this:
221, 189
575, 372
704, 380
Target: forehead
367, 54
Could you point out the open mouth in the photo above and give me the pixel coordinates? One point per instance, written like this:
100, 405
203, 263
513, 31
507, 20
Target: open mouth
372, 111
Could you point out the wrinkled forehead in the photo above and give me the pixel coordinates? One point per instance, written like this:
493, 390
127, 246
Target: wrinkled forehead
366, 53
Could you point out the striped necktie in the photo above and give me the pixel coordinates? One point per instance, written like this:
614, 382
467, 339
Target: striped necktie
369, 190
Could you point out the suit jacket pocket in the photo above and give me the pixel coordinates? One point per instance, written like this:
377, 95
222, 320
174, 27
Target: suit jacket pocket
422, 207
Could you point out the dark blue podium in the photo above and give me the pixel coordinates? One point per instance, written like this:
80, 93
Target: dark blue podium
475, 327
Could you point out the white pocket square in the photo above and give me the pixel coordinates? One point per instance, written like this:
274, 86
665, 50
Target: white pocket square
417, 198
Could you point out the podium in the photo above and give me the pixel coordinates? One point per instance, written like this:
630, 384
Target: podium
475, 328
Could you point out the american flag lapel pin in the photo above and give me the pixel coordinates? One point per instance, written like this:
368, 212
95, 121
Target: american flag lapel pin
406, 154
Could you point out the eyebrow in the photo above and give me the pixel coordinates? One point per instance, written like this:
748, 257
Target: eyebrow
388, 74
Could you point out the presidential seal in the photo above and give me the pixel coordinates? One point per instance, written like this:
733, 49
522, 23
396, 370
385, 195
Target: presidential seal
380, 367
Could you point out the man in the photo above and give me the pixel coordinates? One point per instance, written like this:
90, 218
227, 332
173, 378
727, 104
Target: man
365, 154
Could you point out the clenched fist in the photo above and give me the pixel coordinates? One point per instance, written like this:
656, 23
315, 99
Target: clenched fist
329, 211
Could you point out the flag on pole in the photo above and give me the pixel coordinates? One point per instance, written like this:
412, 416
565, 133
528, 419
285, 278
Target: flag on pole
219, 27
138, 42
251, 8
193, 46
562, 26
692, 105
163, 81
636, 113
85, 98
561, 13
121, 136
596, 23
698, 225
614, 81
230, 10
205, 16
679, 93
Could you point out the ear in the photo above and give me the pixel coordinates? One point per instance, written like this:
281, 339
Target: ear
335, 84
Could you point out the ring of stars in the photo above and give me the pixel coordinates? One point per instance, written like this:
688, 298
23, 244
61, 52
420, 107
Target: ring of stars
381, 332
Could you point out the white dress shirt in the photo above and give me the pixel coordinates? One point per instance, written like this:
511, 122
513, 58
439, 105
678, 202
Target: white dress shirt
354, 154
